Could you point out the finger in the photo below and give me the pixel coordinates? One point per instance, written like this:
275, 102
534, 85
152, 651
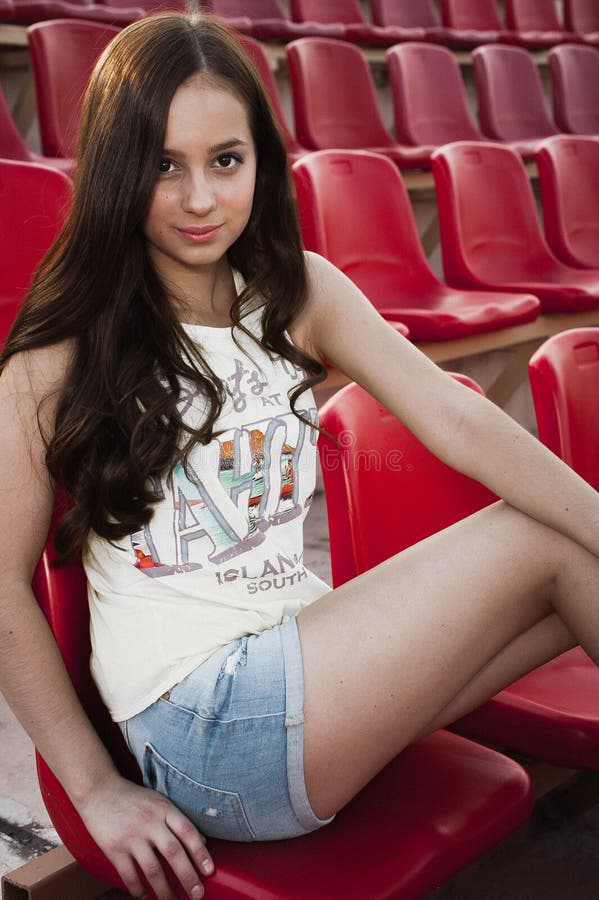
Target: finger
130, 876
153, 872
192, 840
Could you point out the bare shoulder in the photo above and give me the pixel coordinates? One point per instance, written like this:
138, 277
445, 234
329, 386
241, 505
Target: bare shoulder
331, 297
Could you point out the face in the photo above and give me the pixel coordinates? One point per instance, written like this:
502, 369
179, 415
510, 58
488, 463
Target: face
205, 184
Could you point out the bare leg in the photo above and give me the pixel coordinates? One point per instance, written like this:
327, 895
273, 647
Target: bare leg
432, 632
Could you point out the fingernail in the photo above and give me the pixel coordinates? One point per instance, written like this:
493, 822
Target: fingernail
197, 891
208, 866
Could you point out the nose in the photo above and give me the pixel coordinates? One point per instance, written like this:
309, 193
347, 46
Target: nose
198, 194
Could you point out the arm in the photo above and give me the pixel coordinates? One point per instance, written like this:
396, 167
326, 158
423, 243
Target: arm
462, 428
128, 822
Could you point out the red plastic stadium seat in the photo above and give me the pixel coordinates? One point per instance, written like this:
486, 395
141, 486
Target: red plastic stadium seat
257, 54
349, 13
479, 18
386, 491
569, 174
7, 10
418, 14
34, 202
564, 378
430, 104
12, 145
63, 54
536, 23
441, 804
511, 102
356, 212
574, 72
29, 11
267, 20
335, 103
582, 17
490, 232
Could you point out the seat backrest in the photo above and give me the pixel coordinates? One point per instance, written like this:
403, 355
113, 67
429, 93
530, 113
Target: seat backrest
385, 491
532, 15
334, 98
405, 13
564, 378
430, 104
34, 202
581, 16
511, 103
478, 15
574, 73
252, 9
63, 54
12, 145
490, 231
569, 175
347, 12
256, 52
356, 212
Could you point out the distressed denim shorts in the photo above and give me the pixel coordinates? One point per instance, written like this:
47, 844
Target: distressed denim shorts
226, 743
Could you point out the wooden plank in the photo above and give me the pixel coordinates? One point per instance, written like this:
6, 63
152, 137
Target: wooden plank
13, 36
51, 876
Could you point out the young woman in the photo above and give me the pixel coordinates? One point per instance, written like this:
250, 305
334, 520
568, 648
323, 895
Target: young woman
149, 374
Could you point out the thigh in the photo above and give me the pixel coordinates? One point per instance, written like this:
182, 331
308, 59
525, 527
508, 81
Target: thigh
385, 653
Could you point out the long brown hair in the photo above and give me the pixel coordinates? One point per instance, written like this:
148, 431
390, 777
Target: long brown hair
117, 428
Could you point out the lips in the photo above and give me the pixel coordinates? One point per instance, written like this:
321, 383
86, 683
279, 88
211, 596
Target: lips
198, 235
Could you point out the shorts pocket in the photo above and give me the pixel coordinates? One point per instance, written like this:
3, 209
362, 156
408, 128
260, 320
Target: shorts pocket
216, 813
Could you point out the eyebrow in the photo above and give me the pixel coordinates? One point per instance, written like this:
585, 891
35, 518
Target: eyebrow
215, 148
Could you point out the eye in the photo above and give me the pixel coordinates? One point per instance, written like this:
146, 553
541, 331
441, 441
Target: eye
228, 161
165, 166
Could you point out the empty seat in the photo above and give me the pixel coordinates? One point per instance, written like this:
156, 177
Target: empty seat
355, 211
418, 14
257, 54
574, 73
582, 17
430, 104
536, 23
63, 54
349, 14
479, 18
34, 202
266, 20
335, 103
12, 145
569, 174
491, 236
564, 379
27, 12
511, 102
438, 806
7, 10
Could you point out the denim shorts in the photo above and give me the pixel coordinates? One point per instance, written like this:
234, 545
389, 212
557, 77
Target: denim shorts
226, 744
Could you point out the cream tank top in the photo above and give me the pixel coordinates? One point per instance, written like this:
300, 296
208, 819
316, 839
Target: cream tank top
222, 556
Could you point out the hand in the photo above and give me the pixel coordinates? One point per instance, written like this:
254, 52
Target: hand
132, 824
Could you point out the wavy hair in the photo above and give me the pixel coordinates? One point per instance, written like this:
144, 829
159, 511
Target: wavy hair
117, 429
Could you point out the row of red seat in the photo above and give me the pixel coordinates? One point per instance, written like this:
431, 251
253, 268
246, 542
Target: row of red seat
335, 101
334, 95
465, 23
500, 271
